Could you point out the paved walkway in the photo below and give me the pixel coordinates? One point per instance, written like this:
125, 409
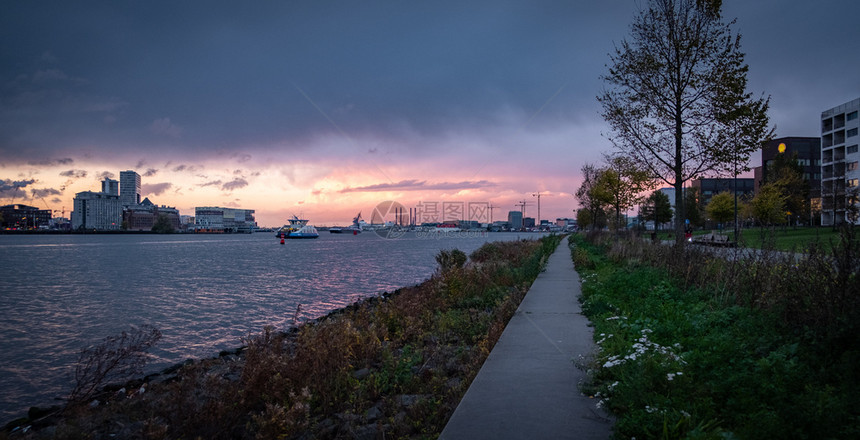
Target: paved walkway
527, 388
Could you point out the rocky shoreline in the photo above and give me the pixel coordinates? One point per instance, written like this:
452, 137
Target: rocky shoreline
394, 365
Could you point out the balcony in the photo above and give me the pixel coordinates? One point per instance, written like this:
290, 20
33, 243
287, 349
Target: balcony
827, 141
839, 121
839, 137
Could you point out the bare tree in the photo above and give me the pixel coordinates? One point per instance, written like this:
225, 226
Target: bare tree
677, 101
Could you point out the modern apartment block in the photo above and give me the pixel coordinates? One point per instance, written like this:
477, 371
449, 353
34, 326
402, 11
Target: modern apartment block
97, 210
515, 220
129, 188
839, 161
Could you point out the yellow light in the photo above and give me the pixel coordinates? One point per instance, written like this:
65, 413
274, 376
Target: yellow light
781, 148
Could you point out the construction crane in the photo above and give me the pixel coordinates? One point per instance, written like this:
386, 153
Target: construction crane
491, 208
522, 204
538, 197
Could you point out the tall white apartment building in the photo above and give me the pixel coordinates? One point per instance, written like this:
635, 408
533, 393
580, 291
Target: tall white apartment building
97, 210
839, 162
129, 188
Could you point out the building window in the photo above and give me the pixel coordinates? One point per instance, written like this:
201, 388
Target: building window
851, 132
852, 149
851, 183
852, 116
851, 166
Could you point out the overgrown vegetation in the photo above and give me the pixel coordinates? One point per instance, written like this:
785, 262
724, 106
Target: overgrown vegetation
392, 367
116, 358
753, 344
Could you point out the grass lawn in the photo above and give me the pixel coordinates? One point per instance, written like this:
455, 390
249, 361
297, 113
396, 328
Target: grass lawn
785, 239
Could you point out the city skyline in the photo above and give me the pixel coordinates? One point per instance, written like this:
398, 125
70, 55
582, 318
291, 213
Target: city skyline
326, 110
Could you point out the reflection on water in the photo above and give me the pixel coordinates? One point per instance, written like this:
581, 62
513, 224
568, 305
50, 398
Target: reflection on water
59, 294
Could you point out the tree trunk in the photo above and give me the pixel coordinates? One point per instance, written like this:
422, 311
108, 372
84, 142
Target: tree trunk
680, 212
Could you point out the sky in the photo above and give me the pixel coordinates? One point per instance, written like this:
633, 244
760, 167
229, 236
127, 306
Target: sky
324, 109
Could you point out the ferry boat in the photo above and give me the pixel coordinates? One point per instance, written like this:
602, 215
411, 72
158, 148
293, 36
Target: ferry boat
298, 228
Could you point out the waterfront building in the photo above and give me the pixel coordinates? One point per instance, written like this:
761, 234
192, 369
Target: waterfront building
129, 188
528, 222
217, 219
839, 163
515, 220
499, 225
24, 217
110, 186
565, 222
97, 210
468, 224
143, 217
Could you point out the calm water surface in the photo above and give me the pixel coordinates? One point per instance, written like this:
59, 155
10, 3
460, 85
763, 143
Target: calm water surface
59, 294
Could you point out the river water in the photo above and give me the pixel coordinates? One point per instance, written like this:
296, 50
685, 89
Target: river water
61, 293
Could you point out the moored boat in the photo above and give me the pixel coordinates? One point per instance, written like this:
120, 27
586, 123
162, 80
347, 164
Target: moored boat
355, 229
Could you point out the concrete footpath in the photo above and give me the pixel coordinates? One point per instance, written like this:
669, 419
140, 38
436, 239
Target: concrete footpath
527, 388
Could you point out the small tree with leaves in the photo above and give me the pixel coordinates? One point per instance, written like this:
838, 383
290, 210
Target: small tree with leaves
589, 199
768, 206
657, 208
620, 185
162, 225
787, 174
721, 207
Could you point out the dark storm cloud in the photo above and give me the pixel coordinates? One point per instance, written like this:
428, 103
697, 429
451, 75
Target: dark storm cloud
8, 184
256, 74
10, 188
421, 185
177, 78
